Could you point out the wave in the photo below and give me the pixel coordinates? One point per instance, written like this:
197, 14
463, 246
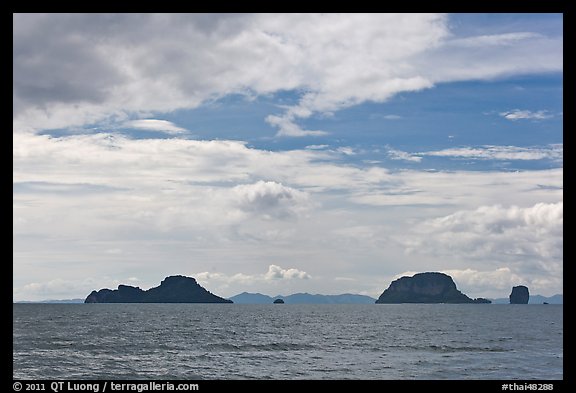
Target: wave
274, 347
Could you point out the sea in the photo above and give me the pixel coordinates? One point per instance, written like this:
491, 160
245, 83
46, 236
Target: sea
284, 341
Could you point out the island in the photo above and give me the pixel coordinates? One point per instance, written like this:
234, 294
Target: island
429, 287
278, 301
519, 295
173, 289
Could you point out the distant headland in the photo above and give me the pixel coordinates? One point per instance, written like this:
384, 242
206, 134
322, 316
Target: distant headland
430, 287
173, 289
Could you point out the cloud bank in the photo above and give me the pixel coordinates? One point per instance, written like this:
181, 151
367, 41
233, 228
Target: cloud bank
111, 66
102, 205
553, 152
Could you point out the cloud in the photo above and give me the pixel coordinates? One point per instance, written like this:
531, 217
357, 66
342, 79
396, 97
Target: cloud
347, 151
553, 152
117, 161
412, 188
155, 125
276, 278
394, 154
488, 56
287, 127
174, 185
482, 282
269, 199
224, 202
317, 147
517, 114
514, 245
326, 102
64, 288
277, 273
231, 205
192, 173
505, 39
489, 152
531, 237
485, 282
78, 69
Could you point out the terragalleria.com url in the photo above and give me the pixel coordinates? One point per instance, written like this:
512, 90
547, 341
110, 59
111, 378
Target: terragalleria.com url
122, 387
141, 387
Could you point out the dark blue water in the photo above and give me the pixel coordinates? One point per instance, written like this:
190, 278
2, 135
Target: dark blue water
235, 341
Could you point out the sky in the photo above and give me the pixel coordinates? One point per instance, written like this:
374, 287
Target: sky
284, 153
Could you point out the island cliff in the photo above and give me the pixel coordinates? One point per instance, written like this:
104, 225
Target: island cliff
519, 295
430, 287
173, 289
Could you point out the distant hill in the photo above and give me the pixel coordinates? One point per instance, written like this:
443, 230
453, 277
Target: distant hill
302, 298
53, 301
534, 299
251, 298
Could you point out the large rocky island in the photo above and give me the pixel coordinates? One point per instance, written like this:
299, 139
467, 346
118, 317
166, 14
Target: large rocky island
430, 287
173, 289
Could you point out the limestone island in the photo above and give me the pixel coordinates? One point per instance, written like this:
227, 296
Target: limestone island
430, 287
519, 295
173, 289
278, 301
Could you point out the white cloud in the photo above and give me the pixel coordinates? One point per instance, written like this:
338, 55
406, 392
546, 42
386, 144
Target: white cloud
275, 279
224, 191
394, 154
488, 56
277, 273
76, 69
317, 147
156, 170
230, 205
348, 151
517, 114
530, 238
483, 282
552, 152
116, 161
65, 288
287, 127
506, 39
155, 125
270, 199
411, 187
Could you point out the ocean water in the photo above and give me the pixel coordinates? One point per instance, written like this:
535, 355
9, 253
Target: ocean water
236, 341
